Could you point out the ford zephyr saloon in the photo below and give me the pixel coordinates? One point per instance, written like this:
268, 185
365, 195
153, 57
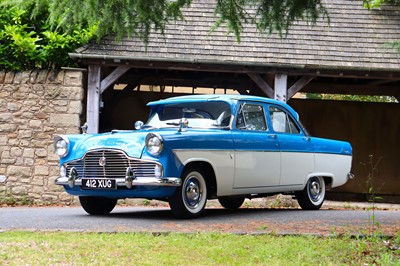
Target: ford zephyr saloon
199, 147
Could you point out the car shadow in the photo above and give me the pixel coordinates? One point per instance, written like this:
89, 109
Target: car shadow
166, 214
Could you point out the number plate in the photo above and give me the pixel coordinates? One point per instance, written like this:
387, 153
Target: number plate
93, 183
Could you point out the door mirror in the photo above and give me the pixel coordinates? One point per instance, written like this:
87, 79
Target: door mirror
138, 125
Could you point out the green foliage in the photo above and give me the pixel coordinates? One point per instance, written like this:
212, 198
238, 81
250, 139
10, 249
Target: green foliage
72, 248
266, 15
141, 17
394, 45
378, 3
40, 33
9, 199
372, 191
279, 14
371, 4
356, 98
119, 17
27, 42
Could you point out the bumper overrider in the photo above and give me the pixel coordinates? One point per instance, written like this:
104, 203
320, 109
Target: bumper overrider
129, 181
350, 176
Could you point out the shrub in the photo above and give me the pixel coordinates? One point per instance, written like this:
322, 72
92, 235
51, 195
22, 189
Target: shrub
28, 42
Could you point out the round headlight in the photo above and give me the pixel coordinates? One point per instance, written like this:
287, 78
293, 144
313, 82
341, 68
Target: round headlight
154, 144
61, 144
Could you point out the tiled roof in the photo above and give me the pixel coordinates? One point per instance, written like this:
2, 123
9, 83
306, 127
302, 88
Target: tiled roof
354, 39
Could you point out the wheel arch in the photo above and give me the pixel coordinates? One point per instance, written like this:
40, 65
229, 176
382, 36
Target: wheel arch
208, 173
328, 182
328, 179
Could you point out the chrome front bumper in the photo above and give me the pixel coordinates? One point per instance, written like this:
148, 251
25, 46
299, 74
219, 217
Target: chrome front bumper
129, 181
121, 182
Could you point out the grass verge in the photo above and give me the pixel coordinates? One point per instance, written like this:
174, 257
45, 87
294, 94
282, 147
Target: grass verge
66, 248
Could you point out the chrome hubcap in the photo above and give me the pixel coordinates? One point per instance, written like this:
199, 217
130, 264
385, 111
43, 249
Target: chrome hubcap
315, 190
193, 193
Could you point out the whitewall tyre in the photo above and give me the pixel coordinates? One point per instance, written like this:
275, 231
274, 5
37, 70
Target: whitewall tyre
190, 198
313, 195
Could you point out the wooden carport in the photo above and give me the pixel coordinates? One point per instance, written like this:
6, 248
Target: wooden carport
349, 55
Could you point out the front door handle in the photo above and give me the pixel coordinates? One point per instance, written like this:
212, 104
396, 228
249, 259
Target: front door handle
272, 136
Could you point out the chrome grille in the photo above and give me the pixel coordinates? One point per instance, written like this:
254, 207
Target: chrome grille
115, 165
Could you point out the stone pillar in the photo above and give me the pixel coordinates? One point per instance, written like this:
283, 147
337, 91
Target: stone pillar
34, 107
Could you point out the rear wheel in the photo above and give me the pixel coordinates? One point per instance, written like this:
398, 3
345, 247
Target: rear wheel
230, 202
97, 205
313, 195
190, 198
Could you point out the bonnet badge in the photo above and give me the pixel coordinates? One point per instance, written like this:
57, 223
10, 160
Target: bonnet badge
102, 161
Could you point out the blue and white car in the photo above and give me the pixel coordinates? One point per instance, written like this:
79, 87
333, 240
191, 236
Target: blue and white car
200, 147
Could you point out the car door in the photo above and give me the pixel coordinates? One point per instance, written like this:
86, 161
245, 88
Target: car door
297, 150
257, 156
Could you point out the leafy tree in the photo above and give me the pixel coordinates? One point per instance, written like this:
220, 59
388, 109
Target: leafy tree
377, 4
40, 33
140, 17
28, 42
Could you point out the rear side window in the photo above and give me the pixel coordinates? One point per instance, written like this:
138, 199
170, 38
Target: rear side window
282, 121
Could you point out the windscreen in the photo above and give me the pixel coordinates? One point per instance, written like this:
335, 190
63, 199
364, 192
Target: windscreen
198, 115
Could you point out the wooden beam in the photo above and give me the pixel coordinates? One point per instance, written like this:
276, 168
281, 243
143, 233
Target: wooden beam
280, 87
237, 68
93, 99
262, 84
113, 77
298, 85
351, 88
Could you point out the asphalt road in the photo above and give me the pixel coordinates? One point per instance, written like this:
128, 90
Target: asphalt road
242, 221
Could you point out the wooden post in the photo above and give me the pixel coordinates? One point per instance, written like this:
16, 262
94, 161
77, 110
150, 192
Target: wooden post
93, 99
280, 87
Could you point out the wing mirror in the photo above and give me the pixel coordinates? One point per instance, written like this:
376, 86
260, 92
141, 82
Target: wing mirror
138, 125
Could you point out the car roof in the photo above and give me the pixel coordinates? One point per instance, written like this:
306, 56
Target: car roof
229, 98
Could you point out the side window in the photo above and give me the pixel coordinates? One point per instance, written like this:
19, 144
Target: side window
251, 117
282, 122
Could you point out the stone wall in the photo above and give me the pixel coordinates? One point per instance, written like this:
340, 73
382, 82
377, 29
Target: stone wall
34, 107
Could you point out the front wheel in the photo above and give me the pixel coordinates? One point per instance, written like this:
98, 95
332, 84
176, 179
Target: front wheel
313, 195
190, 198
97, 205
